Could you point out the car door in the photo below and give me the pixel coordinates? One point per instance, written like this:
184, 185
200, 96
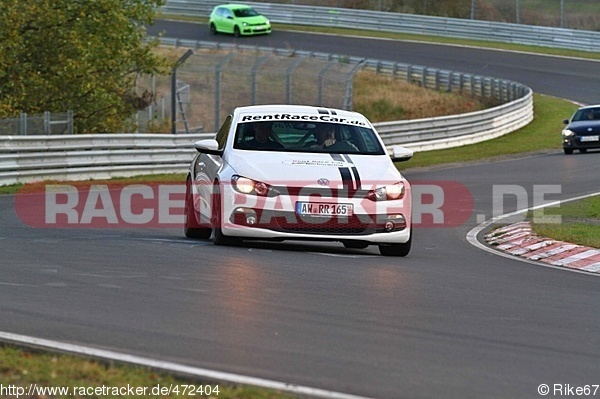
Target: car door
227, 21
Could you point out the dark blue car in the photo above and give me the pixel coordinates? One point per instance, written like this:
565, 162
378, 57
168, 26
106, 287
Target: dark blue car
583, 130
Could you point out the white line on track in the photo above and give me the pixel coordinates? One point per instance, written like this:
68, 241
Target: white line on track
474, 232
172, 367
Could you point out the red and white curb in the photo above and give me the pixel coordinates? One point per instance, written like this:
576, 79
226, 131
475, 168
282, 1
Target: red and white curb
518, 239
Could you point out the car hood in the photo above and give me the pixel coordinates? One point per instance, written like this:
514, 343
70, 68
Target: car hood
306, 170
585, 127
254, 20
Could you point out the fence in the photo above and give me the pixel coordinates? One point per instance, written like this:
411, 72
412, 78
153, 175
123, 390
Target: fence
46, 123
214, 80
220, 76
405, 23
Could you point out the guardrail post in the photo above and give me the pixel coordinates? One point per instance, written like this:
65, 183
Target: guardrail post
321, 79
70, 121
23, 124
288, 79
259, 63
47, 128
179, 62
218, 70
348, 103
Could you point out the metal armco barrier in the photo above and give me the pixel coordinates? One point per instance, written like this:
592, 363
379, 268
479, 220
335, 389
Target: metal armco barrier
26, 159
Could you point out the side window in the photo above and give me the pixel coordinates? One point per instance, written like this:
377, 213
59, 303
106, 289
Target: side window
224, 132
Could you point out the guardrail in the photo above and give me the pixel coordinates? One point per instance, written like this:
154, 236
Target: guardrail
404, 23
458, 130
93, 156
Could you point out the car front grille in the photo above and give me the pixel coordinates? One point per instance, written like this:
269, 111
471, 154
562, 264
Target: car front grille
289, 222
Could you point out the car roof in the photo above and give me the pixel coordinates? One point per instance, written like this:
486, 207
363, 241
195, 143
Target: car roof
590, 106
308, 109
234, 6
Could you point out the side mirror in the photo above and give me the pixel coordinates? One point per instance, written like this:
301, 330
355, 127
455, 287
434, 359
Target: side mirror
401, 154
208, 146
566, 121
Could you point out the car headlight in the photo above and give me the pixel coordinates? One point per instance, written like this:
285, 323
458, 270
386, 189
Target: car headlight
245, 23
567, 133
267, 22
386, 193
249, 186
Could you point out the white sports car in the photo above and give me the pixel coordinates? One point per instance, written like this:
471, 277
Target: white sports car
286, 172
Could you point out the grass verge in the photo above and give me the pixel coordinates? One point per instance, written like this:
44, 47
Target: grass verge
579, 222
83, 378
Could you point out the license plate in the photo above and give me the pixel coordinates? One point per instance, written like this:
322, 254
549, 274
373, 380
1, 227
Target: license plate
323, 209
590, 138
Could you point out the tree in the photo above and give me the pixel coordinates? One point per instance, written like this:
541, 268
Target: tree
80, 55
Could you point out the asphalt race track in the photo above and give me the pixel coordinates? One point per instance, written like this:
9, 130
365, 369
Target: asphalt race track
448, 321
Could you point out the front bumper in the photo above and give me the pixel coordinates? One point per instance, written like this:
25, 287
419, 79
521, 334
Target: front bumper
256, 30
578, 142
250, 216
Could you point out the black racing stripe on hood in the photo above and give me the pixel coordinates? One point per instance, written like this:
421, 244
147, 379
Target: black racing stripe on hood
354, 171
350, 176
347, 179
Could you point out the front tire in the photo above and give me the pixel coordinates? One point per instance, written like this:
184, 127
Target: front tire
396, 249
213, 29
236, 31
191, 227
219, 238
568, 151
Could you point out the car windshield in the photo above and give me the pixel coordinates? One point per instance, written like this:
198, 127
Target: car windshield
315, 137
245, 12
586, 114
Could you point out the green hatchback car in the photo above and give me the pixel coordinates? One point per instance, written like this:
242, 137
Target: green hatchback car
239, 20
